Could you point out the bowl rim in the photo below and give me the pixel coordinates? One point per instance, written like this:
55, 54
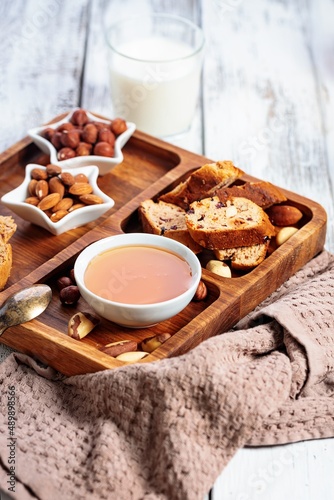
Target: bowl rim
152, 240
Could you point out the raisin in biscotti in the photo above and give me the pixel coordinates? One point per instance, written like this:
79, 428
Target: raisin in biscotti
262, 193
167, 220
238, 223
244, 258
7, 229
203, 183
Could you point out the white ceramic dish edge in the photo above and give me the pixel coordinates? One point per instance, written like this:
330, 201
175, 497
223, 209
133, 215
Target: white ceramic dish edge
104, 163
15, 201
132, 315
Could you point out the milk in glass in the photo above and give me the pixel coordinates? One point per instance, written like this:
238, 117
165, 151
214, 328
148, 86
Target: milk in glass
155, 84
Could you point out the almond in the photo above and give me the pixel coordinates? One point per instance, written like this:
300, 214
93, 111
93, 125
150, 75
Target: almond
57, 216
49, 201
53, 170
32, 200
76, 206
67, 178
42, 189
64, 204
284, 215
32, 187
38, 174
56, 186
80, 188
90, 199
81, 178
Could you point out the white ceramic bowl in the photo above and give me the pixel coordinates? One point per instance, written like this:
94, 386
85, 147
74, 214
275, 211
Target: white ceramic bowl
15, 201
133, 315
104, 163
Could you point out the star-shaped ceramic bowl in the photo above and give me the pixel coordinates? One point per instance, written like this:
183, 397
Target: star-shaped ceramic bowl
104, 163
15, 200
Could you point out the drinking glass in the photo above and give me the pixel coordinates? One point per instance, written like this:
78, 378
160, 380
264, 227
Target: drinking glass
155, 66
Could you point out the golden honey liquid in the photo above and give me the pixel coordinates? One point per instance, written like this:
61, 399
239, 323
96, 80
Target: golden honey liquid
138, 275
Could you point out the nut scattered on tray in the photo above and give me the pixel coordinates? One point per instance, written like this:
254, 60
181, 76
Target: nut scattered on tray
81, 136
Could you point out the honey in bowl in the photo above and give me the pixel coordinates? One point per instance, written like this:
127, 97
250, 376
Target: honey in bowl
138, 274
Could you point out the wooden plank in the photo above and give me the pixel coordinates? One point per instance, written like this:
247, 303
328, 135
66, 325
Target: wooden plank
299, 471
41, 61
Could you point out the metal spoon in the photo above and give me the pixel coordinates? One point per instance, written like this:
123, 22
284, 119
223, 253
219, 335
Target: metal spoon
24, 305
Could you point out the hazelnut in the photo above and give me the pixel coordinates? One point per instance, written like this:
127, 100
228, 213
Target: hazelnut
83, 149
103, 149
66, 153
201, 292
89, 133
72, 275
105, 135
69, 295
70, 138
48, 133
63, 282
100, 125
79, 117
55, 140
118, 126
65, 126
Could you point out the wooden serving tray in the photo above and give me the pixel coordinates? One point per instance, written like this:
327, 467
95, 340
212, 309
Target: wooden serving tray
150, 167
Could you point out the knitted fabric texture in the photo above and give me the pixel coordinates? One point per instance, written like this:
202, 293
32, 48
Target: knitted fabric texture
166, 430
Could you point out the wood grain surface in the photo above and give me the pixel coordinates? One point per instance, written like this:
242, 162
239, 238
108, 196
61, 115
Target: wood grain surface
267, 103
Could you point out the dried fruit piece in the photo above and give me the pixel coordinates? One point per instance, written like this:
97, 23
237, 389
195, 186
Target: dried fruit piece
81, 324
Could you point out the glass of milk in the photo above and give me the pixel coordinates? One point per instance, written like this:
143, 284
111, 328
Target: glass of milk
155, 72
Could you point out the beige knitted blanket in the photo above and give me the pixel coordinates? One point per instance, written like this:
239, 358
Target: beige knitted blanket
166, 430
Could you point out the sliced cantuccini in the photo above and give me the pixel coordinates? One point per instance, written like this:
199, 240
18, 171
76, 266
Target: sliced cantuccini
203, 183
167, 220
238, 223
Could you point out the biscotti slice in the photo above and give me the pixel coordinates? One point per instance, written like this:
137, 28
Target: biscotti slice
262, 193
238, 223
6, 263
167, 220
244, 258
7, 229
203, 183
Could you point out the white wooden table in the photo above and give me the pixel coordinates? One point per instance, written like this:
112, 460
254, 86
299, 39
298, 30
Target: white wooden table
267, 103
